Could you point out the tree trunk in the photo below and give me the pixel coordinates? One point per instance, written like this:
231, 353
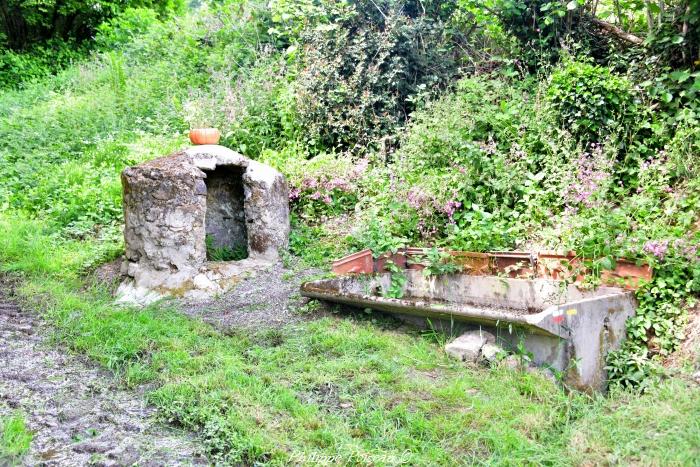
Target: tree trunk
617, 32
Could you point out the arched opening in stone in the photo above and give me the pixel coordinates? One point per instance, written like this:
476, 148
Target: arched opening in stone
225, 221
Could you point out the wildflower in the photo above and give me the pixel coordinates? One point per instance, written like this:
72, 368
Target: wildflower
450, 207
658, 248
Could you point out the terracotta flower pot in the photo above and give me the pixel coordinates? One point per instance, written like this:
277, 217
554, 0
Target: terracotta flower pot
356, 263
205, 136
552, 265
413, 258
398, 258
475, 264
516, 264
627, 274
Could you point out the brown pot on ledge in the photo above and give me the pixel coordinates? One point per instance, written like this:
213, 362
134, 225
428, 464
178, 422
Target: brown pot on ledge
398, 258
475, 264
556, 266
205, 136
361, 262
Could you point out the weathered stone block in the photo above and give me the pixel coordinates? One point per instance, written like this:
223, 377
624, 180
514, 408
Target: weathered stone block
467, 347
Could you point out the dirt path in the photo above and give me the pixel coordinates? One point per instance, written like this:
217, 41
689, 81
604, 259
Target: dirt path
78, 412
267, 299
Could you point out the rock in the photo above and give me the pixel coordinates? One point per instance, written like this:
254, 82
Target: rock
513, 362
467, 347
490, 352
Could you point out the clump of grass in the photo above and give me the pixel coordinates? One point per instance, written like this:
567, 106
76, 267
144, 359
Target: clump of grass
16, 437
224, 253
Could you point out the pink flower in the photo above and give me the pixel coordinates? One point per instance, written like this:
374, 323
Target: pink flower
657, 248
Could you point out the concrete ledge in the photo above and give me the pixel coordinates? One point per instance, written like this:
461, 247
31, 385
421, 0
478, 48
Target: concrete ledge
565, 328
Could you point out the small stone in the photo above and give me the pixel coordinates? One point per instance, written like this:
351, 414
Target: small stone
202, 282
490, 352
512, 362
467, 347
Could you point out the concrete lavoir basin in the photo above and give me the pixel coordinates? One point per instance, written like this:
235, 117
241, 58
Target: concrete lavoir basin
564, 327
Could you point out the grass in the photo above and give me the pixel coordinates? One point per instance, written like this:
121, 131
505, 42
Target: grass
347, 389
15, 437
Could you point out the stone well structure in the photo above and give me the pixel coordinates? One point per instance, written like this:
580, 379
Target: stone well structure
174, 205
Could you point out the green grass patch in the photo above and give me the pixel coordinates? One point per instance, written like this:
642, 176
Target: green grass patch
15, 437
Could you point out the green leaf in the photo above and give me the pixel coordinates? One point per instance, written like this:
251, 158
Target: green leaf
572, 5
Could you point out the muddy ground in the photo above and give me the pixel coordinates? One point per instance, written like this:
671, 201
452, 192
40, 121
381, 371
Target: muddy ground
78, 412
81, 415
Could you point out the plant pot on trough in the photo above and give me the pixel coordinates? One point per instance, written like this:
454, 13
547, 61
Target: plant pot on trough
361, 262
557, 266
475, 264
205, 136
627, 274
414, 256
398, 258
516, 264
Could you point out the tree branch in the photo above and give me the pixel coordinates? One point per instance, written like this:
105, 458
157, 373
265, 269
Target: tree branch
617, 32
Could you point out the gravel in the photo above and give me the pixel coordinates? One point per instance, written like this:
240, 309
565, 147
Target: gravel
78, 412
266, 299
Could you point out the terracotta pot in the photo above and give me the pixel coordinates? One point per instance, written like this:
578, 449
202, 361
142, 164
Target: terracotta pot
398, 258
475, 264
627, 274
205, 136
552, 265
516, 264
413, 258
361, 262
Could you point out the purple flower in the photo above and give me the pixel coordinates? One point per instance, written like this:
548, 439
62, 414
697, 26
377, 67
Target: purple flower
450, 207
658, 248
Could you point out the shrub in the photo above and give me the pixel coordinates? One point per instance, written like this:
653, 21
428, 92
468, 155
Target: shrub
361, 69
121, 30
39, 61
589, 101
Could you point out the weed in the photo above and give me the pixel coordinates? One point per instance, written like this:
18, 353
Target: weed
16, 437
224, 253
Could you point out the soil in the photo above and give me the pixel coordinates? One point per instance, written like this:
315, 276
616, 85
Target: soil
78, 413
267, 299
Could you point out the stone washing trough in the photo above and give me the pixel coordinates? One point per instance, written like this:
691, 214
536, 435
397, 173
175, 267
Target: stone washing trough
562, 326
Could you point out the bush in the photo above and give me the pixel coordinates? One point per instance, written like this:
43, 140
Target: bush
41, 60
24, 24
589, 101
362, 68
121, 30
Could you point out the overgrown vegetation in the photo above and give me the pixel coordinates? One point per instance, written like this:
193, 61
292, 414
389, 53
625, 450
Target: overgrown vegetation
466, 125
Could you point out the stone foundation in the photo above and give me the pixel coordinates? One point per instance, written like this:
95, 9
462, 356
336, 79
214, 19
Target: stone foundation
173, 203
